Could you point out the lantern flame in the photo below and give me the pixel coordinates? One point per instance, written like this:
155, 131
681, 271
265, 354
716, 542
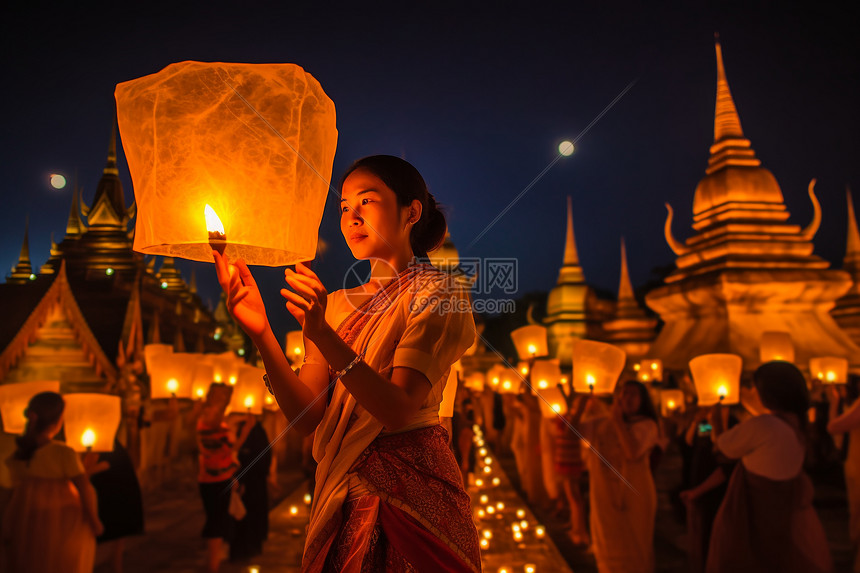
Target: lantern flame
590, 380
297, 350
88, 439
200, 392
671, 404
232, 380
543, 384
249, 402
556, 408
172, 386
831, 376
723, 391
213, 222
532, 349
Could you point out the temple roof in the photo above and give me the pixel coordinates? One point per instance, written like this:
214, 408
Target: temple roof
567, 300
23, 269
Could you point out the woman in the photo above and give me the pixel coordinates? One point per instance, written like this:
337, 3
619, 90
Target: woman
388, 492
52, 520
849, 422
766, 521
622, 492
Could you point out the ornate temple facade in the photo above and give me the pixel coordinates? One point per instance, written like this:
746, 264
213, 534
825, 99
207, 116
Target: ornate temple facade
746, 269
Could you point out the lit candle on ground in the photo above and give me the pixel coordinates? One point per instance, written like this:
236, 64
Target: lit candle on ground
481, 513
496, 481
217, 237
530, 568
500, 506
540, 531
488, 460
521, 513
307, 499
524, 524
294, 510
485, 543
491, 510
518, 535
484, 499
487, 534
487, 469
479, 482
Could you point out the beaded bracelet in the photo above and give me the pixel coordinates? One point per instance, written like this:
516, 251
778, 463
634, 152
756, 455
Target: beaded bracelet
340, 374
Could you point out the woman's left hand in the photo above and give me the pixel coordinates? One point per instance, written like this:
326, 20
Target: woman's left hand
307, 304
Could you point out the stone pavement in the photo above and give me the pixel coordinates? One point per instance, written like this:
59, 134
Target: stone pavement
174, 519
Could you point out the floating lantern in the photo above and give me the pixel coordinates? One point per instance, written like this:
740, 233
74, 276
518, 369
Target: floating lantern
249, 391
650, 370
295, 347
776, 345
552, 402
671, 402
171, 375
596, 366
546, 373
225, 368
475, 381
91, 421
509, 381
530, 341
152, 351
226, 135
717, 378
14, 399
829, 369
202, 377
449, 393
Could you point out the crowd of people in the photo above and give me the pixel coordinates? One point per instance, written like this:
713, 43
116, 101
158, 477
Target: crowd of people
743, 491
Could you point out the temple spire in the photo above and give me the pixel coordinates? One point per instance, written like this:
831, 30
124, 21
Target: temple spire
727, 124
110, 167
852, 247
23, 269
75, 226
625, 288
571, 271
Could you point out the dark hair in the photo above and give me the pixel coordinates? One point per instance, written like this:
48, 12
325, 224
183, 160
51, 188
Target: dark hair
646, 405
401, 177
782, 388
43, 411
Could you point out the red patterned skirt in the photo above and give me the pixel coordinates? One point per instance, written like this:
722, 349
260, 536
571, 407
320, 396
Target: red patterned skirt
417, 516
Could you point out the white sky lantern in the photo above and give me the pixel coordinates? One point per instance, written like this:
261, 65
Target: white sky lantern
249, 393
717, 378
152, 351
91, 418
202, 377
227, 135
671, 402
530, 341
295, 347
551, 402
509, 381
475, 381
494, 376
596, 365
14, 399
546, 373
650, 370
449, 395
776, 345
829, 369
172, 375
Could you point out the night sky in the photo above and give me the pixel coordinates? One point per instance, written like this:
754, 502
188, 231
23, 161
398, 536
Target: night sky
478, 100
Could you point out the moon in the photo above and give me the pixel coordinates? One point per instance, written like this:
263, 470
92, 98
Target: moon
565, 148
57, 181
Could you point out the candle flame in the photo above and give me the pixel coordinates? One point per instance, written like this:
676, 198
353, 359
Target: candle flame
524, 370
213, 222
507, 385
88, 438
200, 392
249, 402
532, 349
636, 367
294, 510
671, 404
297, 350
556, 408
543, 384
831, 376
232, 380
172, 385
590, 379
723, 391
653, 366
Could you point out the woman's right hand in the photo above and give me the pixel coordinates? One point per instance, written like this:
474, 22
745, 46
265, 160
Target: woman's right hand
243, 297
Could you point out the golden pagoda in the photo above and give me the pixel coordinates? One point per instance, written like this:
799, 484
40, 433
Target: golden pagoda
847, 309
630, 328
23, 269
745, 270
567, 316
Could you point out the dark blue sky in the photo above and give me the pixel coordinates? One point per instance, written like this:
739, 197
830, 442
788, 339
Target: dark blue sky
478, 99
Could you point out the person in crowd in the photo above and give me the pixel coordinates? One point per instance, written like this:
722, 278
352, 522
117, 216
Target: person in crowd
848, 422
569, 466
622, 493
462, 435
217, 446
766, 521
120, 500
255, 462
52, 519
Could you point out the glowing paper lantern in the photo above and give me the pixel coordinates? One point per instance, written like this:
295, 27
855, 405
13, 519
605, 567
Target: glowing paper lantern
151, 352
717, 378
649, 370
171, 375
829, 369
475, 381
510, 381
91, 418
671, 402
249, 393
225, 368
202, 377
295, 348
494, 376
449, 394
551, 402
776, 346
546, 373
254, 141
596, 366
14, 399
530, 341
